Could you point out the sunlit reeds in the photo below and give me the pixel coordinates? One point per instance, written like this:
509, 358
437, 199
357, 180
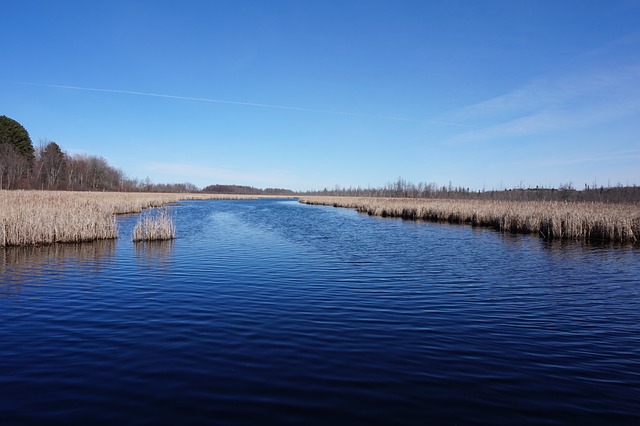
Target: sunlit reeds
549, 220
39, 217
46, 217
154, 225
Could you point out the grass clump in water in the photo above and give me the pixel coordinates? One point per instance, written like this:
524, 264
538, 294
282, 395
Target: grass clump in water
155, 225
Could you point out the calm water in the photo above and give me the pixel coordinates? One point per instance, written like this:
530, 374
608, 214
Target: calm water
275, 312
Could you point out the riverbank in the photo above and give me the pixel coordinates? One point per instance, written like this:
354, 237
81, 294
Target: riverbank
548, 219
46, 217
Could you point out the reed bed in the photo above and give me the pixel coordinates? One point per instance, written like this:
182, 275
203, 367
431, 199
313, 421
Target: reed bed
154, 225
28, 218
46, 217
551, 220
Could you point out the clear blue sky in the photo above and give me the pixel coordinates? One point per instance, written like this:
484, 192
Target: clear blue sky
305, 94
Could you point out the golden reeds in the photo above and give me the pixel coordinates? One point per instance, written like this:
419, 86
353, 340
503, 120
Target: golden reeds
155, 225
46, 217
28, 218
549, 220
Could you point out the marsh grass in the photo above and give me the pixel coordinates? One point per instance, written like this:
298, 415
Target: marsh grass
48, 217
551, 220
29, 218
155, 225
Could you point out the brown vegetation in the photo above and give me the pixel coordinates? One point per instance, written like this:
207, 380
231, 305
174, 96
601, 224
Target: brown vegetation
155, 225
548, 219
46, 217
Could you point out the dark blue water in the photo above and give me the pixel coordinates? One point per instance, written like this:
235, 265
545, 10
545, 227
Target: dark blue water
268, 311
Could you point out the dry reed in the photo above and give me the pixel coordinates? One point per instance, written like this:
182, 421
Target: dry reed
549, 220
46, 217
154, 226
28, 218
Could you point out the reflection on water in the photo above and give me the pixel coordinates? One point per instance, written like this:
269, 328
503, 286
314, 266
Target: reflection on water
157, 253
271, 312
59, 253
23, 265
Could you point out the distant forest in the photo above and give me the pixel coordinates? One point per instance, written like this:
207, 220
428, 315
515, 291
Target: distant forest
565, 192
405, 189
49, 167
246, 190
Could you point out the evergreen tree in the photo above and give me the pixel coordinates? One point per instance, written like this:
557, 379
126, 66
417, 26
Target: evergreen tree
13, 133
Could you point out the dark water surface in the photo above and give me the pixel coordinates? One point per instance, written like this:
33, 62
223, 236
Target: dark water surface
274, 312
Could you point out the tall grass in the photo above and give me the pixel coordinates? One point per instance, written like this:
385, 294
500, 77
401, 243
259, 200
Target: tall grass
46, 217
28, 218
155, 225
548, 219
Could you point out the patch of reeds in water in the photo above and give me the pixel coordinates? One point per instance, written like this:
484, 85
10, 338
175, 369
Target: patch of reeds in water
47, 217
154, 226
549, 220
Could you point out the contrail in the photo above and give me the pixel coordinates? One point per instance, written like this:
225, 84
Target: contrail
217, 101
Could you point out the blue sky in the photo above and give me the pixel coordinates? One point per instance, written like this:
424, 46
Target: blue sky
307, 94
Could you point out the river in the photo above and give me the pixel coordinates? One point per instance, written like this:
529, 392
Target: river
275, 312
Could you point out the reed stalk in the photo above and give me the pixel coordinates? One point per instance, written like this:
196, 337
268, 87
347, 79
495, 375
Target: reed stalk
47, 217
154, 226
551, 220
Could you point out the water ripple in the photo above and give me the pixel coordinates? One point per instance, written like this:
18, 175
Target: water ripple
274, 312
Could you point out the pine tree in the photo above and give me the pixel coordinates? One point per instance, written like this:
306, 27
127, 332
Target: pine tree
13, 133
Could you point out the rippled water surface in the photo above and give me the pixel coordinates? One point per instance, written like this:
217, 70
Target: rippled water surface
272, 311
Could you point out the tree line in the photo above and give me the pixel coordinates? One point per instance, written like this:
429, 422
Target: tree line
245, 190
47, 166
402, 188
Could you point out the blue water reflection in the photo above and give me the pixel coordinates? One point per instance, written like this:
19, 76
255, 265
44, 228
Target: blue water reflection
272, 311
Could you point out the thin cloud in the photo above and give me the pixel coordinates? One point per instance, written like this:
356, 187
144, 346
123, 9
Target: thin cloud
217, 101
605, 70
601, 85
556, 91
552, 120
554, 104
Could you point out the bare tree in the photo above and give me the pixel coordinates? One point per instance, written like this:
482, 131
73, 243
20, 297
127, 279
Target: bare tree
12, 165
18, 170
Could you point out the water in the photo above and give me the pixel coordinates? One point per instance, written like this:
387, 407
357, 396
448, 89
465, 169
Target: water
271, 311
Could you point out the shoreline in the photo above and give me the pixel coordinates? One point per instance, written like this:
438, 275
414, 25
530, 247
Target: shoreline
31, 218
550, 220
